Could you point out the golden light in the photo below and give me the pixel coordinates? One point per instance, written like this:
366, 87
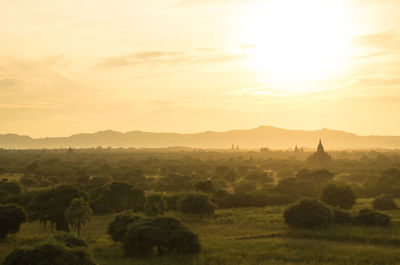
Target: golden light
293, 43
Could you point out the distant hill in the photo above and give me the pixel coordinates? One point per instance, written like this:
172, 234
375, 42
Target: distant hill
263, 136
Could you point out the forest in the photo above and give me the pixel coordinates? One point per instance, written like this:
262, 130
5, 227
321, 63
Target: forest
198, 206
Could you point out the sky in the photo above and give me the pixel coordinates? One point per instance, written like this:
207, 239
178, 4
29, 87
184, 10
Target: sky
185, 66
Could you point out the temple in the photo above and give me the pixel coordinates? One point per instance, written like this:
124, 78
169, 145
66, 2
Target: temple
320, 155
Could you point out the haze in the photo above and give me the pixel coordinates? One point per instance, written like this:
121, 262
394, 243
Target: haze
194, 65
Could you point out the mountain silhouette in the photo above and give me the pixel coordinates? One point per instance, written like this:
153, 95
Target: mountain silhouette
263, 136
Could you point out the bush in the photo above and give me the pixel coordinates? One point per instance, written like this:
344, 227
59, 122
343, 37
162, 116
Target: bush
255, 200
172, 201
341, 217
11, 218
384, 202
196, 203
118, 226
47, 254
338, 195
245, 186
370, 217
155, 205
69, 240
308, 213
165, 234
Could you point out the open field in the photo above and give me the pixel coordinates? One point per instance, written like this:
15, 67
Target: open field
245, 236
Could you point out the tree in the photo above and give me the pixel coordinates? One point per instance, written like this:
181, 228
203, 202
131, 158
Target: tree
117, 197
370, 217
165, 234
48, 254
50, 206
204, 186
196, 203
78, 213
11, 218
155, 205
10, 187
308, 213
384, 202
118, 226
338, 195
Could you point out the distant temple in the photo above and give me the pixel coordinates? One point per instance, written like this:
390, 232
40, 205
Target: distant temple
320, 155
298, 150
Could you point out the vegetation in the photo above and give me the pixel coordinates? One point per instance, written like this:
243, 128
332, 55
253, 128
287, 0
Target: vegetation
48, 254
197, 204
369, 217
384, 202
166, 235
78, 213
308, 213
254, 201
118, 226
11, 218
338, 195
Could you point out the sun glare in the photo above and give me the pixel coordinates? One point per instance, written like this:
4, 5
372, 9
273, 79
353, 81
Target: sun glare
292, 43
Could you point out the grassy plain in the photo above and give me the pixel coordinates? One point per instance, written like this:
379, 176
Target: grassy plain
245, 236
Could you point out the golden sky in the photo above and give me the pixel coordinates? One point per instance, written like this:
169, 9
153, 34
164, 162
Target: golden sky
193, 65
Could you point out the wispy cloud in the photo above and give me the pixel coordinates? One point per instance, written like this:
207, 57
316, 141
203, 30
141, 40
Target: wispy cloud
207, 55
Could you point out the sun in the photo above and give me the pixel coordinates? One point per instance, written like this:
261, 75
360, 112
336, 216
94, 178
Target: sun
293, 43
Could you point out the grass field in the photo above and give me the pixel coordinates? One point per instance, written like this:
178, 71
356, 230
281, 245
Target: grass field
246, 236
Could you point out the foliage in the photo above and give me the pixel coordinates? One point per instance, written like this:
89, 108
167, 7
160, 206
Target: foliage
370, 217
78, 213
11, 218
10, 187
50, 206
47, 254
118, 197
204, 186
155, 205
197, 204
384, 202
166, 234
338, 195
308, 213
69, 240
341, 216
245, 186
119, 225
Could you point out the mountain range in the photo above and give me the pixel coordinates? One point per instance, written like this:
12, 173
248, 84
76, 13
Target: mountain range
263, 136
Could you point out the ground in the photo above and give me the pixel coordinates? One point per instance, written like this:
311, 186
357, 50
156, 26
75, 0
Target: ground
246, 236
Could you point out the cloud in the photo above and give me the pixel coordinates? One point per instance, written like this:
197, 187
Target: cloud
207, 55
389, 40
140, 58
206, 50
9, 82
207, 2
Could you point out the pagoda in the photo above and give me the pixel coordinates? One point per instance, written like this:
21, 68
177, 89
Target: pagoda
320, 155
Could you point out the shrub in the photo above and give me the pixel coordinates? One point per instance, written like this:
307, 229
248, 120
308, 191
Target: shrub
338, 195
69, 240
10, 187
155, 205
384, 202
308, 213
165, 234
172, 201
340, 216
118, 226
370, 217
47, 254
196, 203
204, 186
11, 218
245, 186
